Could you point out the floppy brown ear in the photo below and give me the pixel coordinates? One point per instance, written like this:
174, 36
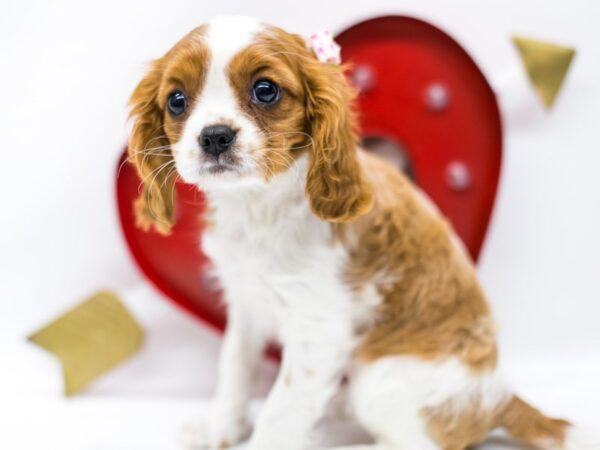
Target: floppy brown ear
335, 185
150, 153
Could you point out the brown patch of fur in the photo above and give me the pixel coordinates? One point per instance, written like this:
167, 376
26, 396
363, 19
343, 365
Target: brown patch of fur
183, 68
529, 425
335, 183
458, 430
433, 306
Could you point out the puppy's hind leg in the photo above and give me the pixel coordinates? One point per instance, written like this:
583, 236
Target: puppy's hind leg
392, 397
386, 401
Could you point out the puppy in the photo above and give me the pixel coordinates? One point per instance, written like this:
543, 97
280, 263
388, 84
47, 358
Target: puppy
321, 247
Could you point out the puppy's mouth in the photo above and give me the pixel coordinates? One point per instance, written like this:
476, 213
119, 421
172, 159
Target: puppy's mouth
219, 164
218, 168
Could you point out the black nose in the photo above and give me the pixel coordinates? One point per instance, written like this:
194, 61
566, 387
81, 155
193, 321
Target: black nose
216, 139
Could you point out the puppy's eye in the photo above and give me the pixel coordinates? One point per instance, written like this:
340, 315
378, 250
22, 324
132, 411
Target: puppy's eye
265, 92
177, 103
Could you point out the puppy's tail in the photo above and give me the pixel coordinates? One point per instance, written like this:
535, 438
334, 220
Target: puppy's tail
530, 426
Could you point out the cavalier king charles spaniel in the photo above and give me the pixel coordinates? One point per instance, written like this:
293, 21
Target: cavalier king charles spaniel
321, 247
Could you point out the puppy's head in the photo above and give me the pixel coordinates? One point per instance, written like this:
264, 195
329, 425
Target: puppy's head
236, 103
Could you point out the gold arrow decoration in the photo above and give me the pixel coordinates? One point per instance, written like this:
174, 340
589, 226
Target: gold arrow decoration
91, 339
546, 66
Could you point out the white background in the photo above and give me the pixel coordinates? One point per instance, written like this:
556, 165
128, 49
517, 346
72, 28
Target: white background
66, 71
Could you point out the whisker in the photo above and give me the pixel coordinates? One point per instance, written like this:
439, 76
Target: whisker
157, 170
150, 152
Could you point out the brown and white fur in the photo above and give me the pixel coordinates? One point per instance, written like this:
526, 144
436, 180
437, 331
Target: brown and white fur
325, 249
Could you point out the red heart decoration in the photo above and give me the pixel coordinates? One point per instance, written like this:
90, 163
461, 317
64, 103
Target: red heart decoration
419, 90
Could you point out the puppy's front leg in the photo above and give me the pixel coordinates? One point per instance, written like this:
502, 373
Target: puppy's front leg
313, 364
227, 423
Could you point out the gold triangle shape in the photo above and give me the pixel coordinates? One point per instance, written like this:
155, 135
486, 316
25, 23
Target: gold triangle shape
90, 339
546, 66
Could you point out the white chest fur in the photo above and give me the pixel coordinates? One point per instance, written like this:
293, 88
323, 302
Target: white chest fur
276, 260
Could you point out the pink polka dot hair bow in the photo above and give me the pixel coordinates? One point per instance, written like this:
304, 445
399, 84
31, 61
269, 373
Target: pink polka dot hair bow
324, 47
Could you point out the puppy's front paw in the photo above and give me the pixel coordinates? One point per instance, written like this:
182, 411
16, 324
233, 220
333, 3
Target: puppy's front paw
214, 435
